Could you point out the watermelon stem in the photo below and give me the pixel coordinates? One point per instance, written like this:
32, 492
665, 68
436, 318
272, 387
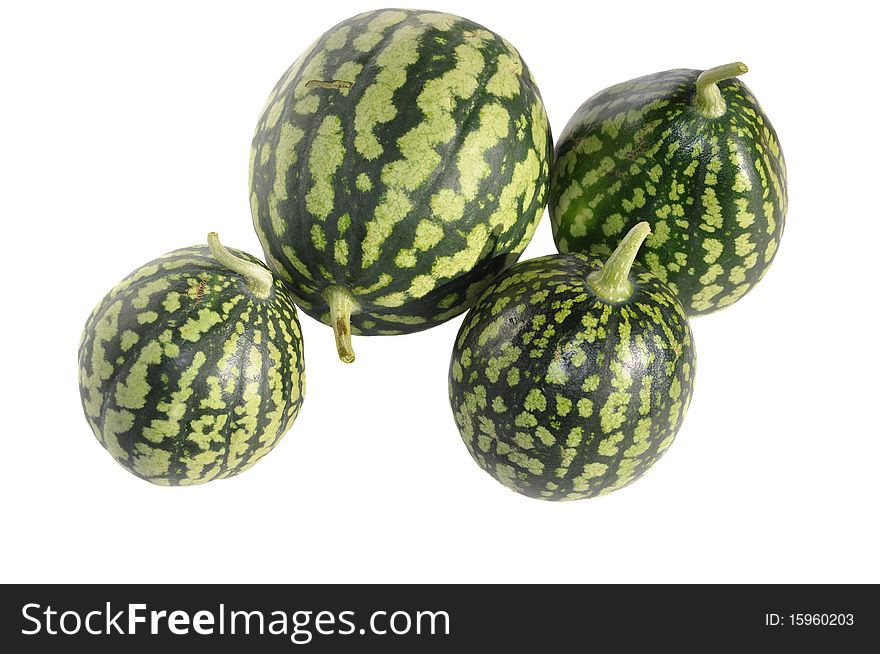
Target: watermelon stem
708, 99
258, 279
611, 282
342, 304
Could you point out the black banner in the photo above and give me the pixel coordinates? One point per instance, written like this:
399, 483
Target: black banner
433, 618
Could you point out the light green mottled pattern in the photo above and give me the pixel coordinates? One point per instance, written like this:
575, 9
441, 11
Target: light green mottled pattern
184, 375
713, 190
560, 395
420, 174
325, 157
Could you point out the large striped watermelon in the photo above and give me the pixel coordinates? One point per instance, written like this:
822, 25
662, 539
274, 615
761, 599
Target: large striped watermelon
694, 155
399, 165
191, 369
569, 377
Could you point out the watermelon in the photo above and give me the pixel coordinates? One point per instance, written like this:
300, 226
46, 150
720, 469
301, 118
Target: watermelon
693, 154
569, 377
399, 165
191, 368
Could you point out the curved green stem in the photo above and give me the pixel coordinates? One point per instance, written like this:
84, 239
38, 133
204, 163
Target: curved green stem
342, 305
258, 279
611, 282
708, 99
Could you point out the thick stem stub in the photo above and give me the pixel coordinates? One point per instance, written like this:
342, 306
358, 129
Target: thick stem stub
342, 304
258, 279
611, 282
708, 99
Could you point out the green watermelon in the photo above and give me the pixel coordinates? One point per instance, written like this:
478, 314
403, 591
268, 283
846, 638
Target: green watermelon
569, 377
191, 368
400, 164
694, 155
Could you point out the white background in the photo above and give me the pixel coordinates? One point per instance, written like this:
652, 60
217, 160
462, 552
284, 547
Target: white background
126, 134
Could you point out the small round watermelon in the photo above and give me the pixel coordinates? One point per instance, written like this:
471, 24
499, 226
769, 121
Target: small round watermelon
191, 368
692, 153
400, 164
570, 377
